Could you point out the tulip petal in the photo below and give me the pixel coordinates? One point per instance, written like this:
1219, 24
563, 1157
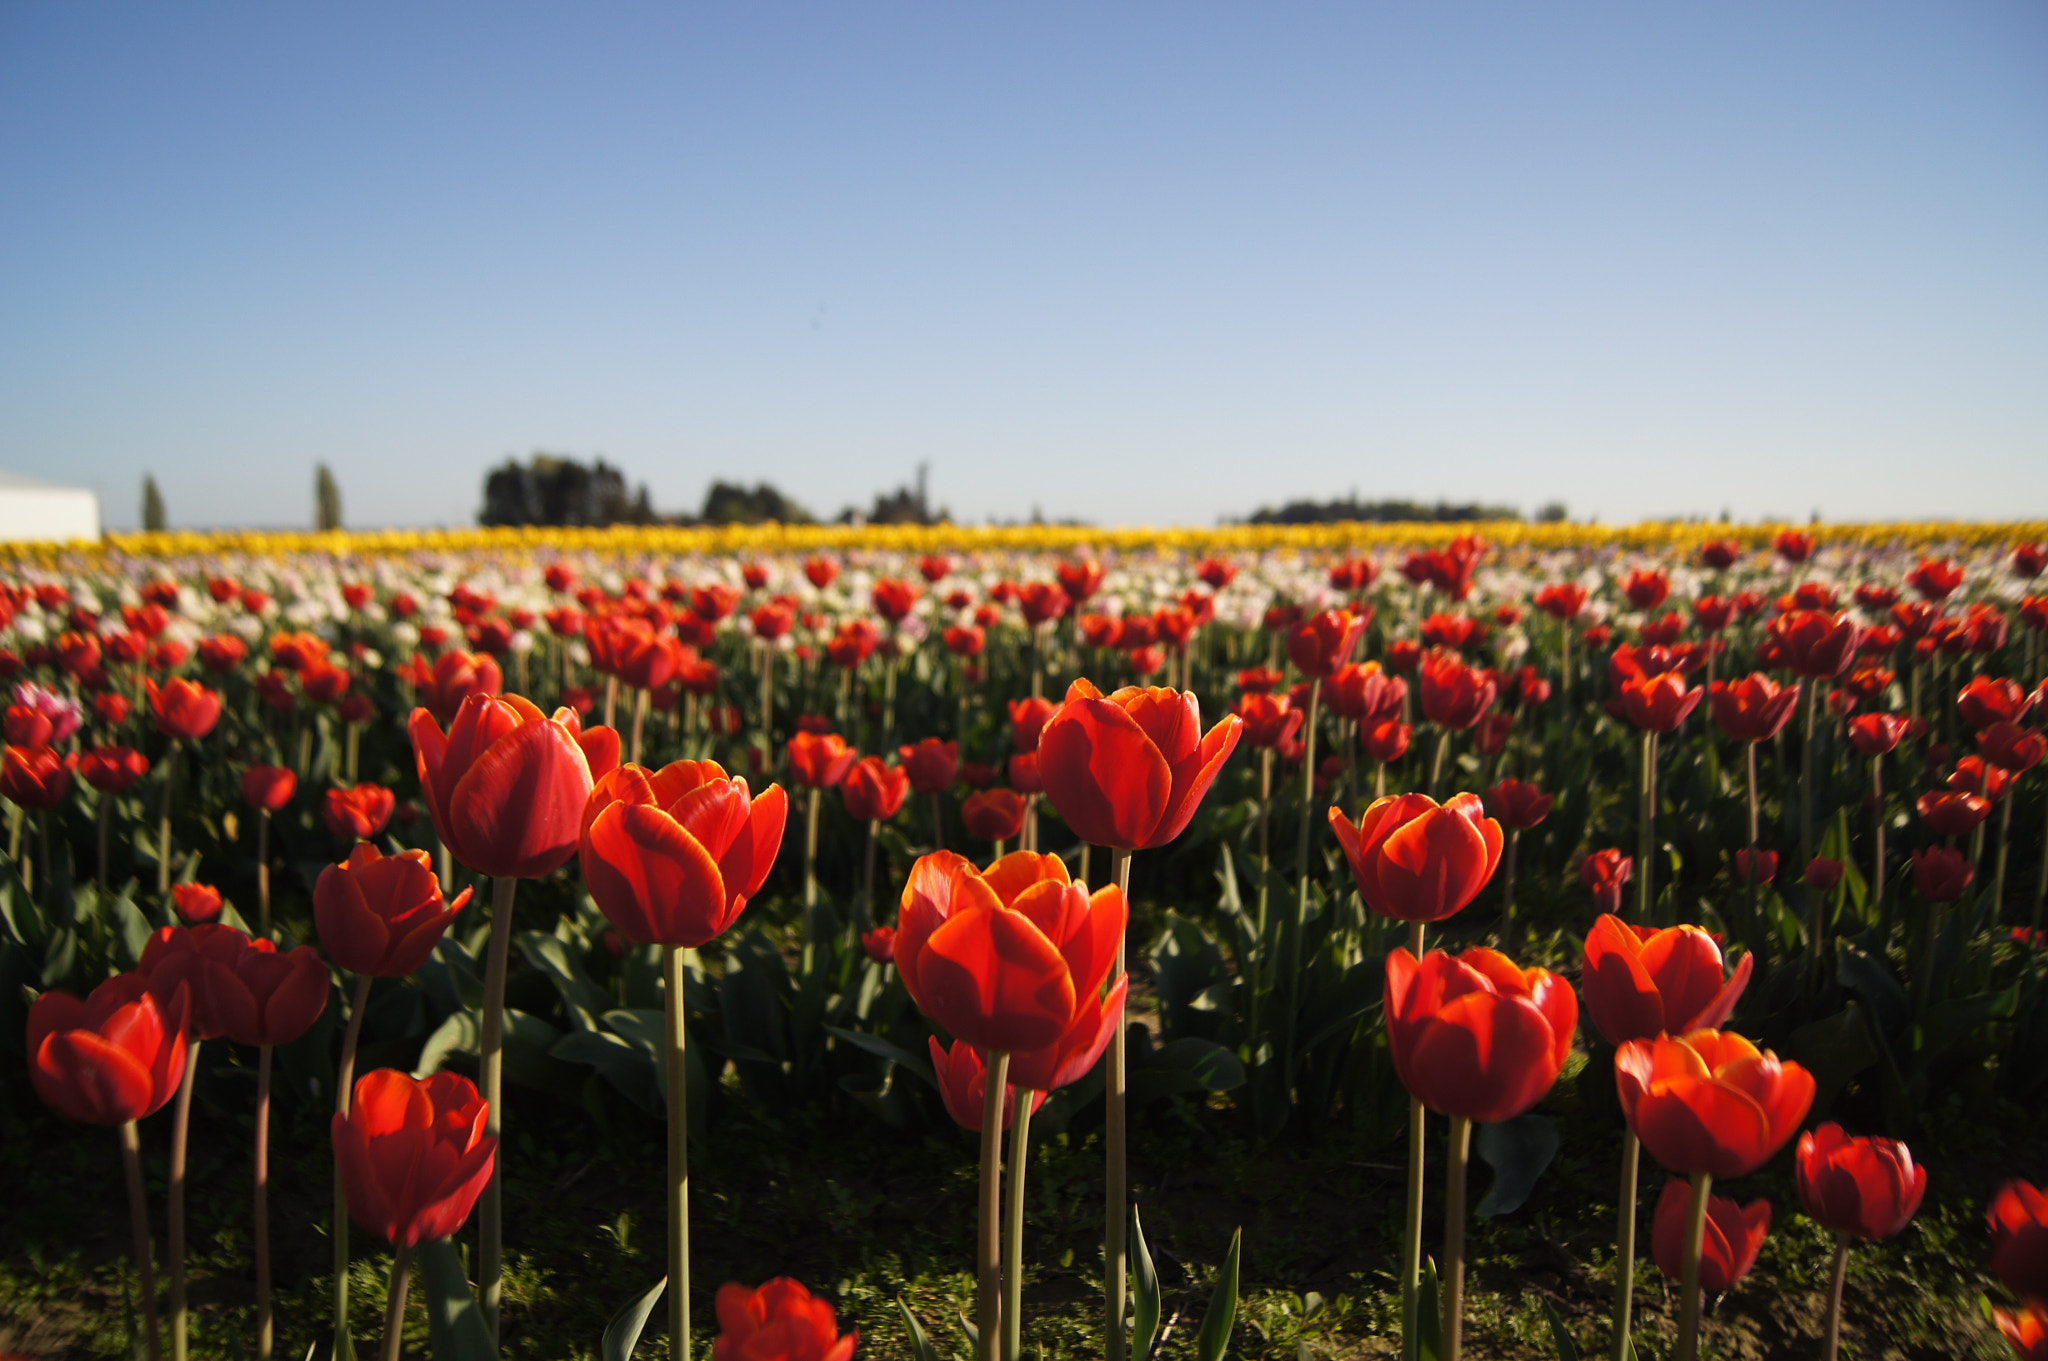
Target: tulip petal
1105, 777
652, 879
516, 811
995, 981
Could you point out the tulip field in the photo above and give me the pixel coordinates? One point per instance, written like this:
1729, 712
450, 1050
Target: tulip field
800, 944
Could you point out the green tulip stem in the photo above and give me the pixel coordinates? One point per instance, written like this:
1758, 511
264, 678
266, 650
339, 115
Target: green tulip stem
1877, 857
1625, 1244
1998, 872
344, 1095
1564, 670
611, 701
674, 981
1301, 869
1437, 763
1116, 1184
867, 878
1646, 849
1806, 800
1265, 881
106, 812
163, 822
811, 851
2040, 885
264, 1327
1755, 822
491, 1059
394, 1308
174, 1213
262, 868
1831, 1339
1013, 1228
639, 719
988, 1229
1454, 1238
1507, 910
1411, 1242
1689, 1275
138, 1220
355, 736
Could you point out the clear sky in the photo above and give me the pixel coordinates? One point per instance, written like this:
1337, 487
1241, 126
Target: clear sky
1137, 263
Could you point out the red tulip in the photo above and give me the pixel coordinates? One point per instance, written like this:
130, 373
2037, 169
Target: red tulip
1815, 643
873, 791
1793, 546
1453, 694
880, 944
1729, 1241
381, 915
269, 787
113, 1057
1416, 861
222, 653
1074, 1054
195, 903
1477, 1036
993, 814
779, 1322
239, 988
413, 1155
113, 769
2008, 746
1006, 959
2019, 1239
963, 1085
1940, 874
1607, 872
1876, 734
932, 765
455, 677
1865, 1187
1935, 579
1129, 769
1975, 775
183, 708
1639, 982
673, 855
1028, 718
1387, 740
1759, 867
1753, 709
1659, 703
1269, 720
820, 760
1562, 601
1710, 1101
1987, 700
1822, 874
1319, 645
506, 785
1364, 691
2026, 1331
1951, 812
358, 813
1646, 590
893, 599
1519, 804
1080, 579
36, 777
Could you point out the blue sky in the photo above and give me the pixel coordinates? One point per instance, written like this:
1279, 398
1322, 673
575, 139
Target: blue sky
1142, 263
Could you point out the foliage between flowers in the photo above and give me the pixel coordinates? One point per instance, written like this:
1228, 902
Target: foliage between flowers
1910, 1012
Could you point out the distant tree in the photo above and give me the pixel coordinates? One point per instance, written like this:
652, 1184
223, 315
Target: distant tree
153, 518
1553, 513
552, 490
731, 503
904, 506
326, 499
1351, 508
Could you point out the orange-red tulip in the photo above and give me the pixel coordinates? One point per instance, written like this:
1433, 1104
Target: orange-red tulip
932, 765
1815, 643
963, 1084
1866, 1187
359, 812
1519, 804
1952, 812
36, 777
1877, 734
2010, 747
413, 1155
1477, 1036
506, 784
1323, 642
872, 790
454, 678
195, 903
1710, 1101
1607, 872
673, 855
993, 814
1414, 860
1269, 720
2019, 1239
1753, 709
1992, 699
113, 769
820, 760
382, 915
1007, 959
1455, 695
1639, 982
269, 787
2026, 1331
240, 988
1128, 770
1071, 1057
115, 1056
1659, 703
1729, 1241
183, 708
1940, 874
781, 1321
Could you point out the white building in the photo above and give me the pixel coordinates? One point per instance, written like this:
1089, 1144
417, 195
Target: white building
32, 511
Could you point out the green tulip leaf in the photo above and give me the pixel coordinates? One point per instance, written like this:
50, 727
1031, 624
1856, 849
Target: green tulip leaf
454, 1319
622, 1334
1214, 1339
1567, 1350
1145, 1321
1518, 1151
921, 1348
1429, 1309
